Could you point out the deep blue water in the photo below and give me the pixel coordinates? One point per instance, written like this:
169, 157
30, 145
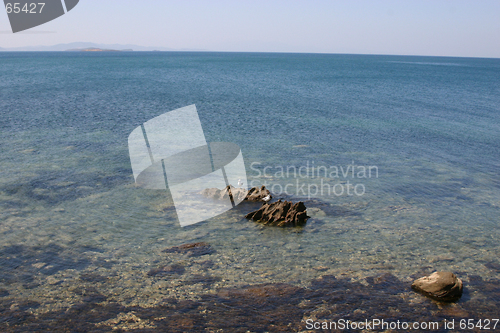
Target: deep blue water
435, 108
431, 126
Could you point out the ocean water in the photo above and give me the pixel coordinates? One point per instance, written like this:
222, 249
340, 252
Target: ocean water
78, 238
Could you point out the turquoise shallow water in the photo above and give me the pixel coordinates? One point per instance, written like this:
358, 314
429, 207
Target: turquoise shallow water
73, 224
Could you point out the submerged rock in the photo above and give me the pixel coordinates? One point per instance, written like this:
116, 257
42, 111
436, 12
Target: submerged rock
238, 194
167, 270
191, 249
281, 214
441, 286
4, 293
266, 291
205, 280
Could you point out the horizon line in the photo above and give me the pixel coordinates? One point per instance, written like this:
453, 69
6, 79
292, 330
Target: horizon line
263, 52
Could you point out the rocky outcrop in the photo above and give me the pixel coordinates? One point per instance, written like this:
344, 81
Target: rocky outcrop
441, 286
281, 214
258, 194
238, 194
191, 249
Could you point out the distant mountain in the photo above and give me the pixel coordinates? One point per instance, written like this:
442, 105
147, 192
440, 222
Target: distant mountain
93, 49
84, 45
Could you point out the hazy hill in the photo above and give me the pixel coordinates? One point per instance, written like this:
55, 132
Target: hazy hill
88, 45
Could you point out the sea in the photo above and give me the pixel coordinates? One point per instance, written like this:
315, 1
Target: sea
397, 159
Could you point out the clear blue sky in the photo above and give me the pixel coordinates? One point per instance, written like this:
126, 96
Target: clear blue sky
416, 27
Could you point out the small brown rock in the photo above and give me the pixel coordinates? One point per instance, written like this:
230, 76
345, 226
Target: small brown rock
441, 286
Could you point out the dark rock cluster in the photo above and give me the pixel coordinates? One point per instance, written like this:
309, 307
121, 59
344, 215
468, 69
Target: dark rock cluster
281, 214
